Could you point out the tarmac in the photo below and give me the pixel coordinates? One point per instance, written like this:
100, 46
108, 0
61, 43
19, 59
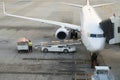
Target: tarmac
13, 65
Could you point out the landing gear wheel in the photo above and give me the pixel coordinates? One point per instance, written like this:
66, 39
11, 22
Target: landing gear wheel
45, 50
76, 35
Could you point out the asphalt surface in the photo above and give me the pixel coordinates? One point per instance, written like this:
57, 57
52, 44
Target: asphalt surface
13, 28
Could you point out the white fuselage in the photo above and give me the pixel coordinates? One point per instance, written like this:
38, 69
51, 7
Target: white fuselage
91, 33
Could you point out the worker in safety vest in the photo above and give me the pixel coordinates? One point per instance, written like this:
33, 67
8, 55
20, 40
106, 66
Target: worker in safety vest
30, 46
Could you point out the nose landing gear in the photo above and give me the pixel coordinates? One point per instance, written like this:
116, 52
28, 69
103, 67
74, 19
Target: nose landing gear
94, 61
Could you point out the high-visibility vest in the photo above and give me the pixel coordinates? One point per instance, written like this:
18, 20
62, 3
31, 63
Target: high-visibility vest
30, 44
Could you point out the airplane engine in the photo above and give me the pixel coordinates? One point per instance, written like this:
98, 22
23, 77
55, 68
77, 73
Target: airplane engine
62, 33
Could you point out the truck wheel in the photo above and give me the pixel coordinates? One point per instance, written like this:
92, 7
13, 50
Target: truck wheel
45, 50
65, 51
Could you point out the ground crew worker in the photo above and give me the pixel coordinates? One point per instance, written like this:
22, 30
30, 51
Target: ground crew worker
30, 46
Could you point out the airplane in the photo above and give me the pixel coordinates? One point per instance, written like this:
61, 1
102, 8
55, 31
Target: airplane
90, 30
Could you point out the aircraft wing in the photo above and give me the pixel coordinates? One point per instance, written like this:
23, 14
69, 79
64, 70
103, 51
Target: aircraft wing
99, 5
61, 24
70, 4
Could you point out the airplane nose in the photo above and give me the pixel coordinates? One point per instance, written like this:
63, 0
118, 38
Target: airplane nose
97, 44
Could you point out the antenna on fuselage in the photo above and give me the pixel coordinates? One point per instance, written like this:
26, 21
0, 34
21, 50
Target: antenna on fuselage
88, 2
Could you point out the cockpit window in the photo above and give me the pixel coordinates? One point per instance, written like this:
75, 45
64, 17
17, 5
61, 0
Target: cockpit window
92, 35
96, 35
102, 72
